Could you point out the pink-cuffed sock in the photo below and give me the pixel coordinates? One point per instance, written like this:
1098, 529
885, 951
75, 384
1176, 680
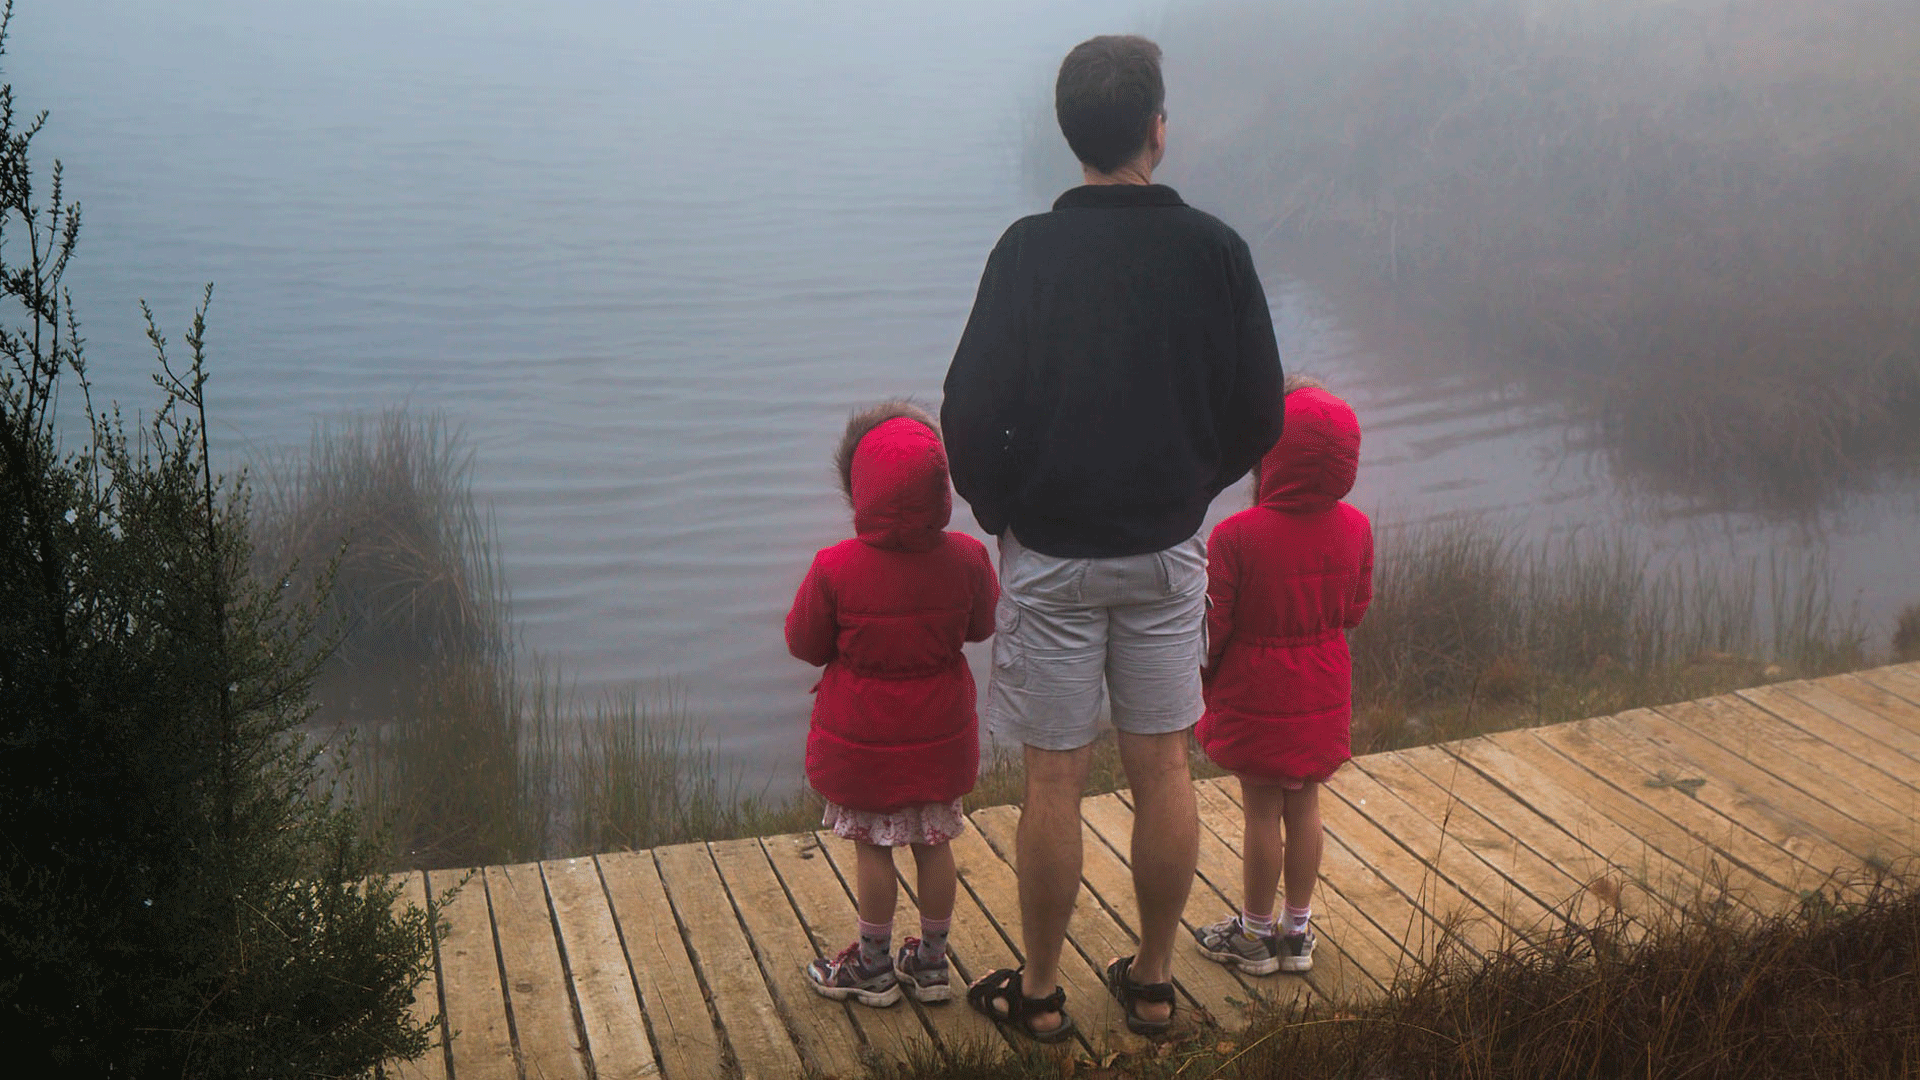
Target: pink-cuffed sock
1297, 918
876, 943
933, 939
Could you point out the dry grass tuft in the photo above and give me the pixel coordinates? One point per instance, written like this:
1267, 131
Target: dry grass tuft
1831, 989
1472, 631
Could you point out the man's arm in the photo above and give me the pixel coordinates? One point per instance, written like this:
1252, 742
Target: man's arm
976, 411
1250, 414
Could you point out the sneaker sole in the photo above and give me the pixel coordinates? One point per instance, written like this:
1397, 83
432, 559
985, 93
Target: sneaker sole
928, 995
877, 999
1297, 964
1252, 967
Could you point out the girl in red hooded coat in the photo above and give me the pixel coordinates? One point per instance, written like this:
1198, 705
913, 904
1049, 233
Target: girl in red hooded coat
895, 740
1286, 580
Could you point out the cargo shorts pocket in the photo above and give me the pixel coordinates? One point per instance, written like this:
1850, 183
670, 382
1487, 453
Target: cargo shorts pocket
1183, 568
1009, 658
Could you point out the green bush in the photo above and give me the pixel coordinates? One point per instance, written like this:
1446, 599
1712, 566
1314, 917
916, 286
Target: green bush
182, 891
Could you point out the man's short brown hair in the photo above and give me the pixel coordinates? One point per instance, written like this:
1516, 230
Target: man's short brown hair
1107, 96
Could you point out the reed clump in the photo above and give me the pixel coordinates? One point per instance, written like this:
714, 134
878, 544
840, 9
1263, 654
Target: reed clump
472, 750
1697, 221
1830, 988
1472, 630
1906, 635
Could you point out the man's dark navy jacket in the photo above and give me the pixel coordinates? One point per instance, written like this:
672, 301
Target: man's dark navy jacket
1118, 372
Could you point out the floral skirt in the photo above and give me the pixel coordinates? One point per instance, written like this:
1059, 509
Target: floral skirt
925, 823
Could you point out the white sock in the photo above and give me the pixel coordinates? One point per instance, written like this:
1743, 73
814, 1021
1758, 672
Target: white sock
1255, 925
1297, 919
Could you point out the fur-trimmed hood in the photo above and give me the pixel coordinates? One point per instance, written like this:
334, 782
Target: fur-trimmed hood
894, 473
1314, 463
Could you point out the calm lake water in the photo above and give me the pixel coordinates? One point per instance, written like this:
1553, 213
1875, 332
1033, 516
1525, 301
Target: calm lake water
648, 255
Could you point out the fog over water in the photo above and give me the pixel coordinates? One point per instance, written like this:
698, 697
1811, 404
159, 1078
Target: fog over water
649, 255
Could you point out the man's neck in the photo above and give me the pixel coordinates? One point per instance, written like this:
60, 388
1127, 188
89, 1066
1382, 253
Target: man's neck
1133, 172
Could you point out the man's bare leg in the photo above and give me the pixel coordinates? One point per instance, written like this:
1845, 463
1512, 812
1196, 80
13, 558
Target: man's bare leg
1047, 859
1166, 844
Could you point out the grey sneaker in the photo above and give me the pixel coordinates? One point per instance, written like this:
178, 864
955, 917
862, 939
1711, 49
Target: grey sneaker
925, 980
1229, 943
842, 978
1296, 951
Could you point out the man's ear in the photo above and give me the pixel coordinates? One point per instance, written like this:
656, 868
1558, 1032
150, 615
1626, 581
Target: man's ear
1157, 138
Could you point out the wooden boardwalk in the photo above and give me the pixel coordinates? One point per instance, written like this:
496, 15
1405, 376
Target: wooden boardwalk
686, 961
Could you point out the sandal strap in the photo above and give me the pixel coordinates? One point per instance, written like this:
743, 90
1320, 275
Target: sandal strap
1161, 993
1055, 1002
1121, 975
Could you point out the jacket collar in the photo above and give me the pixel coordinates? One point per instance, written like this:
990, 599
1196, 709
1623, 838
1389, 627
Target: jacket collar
1090, 196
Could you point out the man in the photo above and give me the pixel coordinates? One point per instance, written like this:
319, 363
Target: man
1118, 371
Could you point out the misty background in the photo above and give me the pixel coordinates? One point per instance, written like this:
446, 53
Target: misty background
648, 256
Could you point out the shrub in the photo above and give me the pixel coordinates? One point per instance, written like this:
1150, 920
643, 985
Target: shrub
180, 891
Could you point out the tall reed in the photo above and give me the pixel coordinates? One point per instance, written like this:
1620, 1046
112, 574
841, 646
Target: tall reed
471, 749
1473, 630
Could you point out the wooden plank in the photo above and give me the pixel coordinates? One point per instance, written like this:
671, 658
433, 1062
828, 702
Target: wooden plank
1683, 805
610, 1017
995, 888
950, 1025
1111, 820
1889, 760
1820, 771
470, 976
1359, 904
1220, 997
1633, 856
1370, 868
1871, 710
682, 1029
1756, 810
1444, 904
748, 1018
822, 1029
425, 1007
1431, 840
1671, 728
1901, 680
1601, 883
1550, 886
1712, 863
543, 1023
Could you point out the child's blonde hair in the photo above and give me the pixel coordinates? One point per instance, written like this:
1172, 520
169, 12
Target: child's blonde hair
1294, 382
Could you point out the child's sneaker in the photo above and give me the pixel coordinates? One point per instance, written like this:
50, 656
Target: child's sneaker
926, 980
1296, 951
1256, 954
842, 978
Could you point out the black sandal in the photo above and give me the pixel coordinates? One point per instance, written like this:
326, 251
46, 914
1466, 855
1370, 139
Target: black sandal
1124, 990
1000, 998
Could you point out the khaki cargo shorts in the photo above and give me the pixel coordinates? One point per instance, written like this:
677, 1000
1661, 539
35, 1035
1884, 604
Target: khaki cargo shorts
1075, 635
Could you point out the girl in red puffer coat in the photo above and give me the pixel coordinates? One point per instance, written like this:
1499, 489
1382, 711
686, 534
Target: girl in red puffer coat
1286, 580
895, 740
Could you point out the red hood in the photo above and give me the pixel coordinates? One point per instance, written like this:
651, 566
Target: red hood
1313, 465
901, 499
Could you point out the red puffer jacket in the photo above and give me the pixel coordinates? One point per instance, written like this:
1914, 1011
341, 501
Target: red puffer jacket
893, 717
1285, 580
